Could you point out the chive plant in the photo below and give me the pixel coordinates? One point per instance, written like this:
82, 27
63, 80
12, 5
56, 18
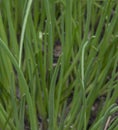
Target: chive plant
79, 90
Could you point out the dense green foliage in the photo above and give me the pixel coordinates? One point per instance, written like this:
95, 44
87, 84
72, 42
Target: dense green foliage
38, 94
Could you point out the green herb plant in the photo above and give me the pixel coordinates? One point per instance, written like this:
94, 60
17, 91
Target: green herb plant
77, 92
